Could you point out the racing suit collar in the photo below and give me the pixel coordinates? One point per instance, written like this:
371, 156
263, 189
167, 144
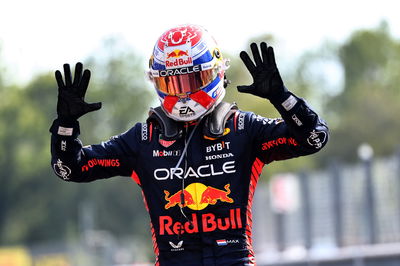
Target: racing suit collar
213, 126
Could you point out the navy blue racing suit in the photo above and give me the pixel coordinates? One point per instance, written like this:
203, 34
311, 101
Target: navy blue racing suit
200, 210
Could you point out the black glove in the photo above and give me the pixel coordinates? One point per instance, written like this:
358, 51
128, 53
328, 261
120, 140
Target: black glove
71, 103
267, 82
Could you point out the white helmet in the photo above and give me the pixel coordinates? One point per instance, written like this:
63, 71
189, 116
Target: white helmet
188, 72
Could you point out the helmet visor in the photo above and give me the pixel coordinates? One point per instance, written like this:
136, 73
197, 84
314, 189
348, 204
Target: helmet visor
182, 81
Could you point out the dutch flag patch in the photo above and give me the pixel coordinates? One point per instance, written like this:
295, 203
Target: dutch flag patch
222, 242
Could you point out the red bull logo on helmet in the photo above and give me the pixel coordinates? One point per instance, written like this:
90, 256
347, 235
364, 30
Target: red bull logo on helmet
177, 53
178, 56
198, 196
179, 63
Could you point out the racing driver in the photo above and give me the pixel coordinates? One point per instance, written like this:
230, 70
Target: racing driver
196, 158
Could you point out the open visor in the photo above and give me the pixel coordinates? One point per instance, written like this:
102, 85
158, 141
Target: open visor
183, 81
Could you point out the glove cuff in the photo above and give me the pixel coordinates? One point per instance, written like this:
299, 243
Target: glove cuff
68, 128
286, 103
279, 98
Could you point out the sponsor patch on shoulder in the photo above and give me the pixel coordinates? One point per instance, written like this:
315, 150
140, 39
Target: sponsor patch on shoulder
240, 121
144, 132
61, 170
317, 139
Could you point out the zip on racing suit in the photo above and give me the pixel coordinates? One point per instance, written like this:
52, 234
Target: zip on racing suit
200, 208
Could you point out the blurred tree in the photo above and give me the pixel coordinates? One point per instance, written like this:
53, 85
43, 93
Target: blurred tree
364, 111
34, 204
318, 74
24, 127
355, 85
